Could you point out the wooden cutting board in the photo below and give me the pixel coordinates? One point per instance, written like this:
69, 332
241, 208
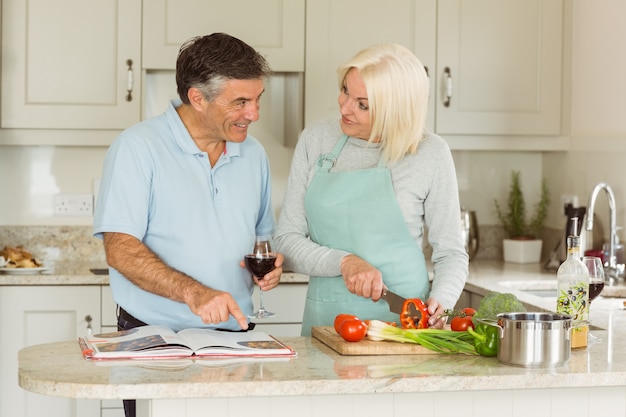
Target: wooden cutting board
329, 337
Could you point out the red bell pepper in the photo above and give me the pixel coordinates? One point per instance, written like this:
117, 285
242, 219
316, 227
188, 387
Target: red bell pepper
407, 318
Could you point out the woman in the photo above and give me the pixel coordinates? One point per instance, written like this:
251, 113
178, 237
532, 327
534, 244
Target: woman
361, 191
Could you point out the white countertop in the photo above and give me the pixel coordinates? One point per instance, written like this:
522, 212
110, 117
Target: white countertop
59, 369
79, 273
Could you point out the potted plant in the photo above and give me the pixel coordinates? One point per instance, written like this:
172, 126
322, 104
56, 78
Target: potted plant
523, 242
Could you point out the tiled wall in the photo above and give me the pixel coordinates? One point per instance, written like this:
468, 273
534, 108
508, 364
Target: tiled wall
68, 243
55, 243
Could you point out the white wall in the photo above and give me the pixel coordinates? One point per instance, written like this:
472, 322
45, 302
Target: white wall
31, 176
598, 107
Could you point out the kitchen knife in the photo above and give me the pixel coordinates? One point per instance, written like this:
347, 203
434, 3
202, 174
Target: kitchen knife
396, 303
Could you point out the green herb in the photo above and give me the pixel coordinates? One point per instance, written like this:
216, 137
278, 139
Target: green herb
442, 341
514, 220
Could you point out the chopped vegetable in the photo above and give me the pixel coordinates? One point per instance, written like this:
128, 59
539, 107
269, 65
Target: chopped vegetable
407, 318
495, 303
442, 341
486, 339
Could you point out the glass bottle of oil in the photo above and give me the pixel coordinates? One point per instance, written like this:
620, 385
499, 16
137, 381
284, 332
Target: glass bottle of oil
573, 290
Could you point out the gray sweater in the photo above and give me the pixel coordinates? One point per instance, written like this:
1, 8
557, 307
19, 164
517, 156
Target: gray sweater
426, 188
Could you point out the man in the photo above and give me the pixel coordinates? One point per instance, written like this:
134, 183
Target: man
183, 195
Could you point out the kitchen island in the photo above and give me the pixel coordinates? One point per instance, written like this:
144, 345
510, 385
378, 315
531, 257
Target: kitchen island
321, 382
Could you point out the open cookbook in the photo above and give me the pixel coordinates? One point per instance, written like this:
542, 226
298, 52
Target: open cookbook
155, 342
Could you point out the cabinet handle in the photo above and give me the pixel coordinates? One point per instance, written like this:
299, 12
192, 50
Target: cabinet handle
88, 319
447, 87
130, 80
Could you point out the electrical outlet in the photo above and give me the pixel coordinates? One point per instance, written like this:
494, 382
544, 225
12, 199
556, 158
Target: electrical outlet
73, 205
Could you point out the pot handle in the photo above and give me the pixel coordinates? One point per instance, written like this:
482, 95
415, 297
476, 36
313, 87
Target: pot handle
491, 322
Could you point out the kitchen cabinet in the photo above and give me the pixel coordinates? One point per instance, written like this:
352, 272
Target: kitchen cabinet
337, 29
495, 67
31, 315
274, 27
287, 301
76, 71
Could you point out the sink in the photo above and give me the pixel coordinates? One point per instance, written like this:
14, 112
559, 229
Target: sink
547, 288
539, 288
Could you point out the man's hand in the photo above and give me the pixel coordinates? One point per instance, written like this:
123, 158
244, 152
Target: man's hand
215, 307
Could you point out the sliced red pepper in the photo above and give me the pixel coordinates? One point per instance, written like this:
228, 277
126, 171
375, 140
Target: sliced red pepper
407, 319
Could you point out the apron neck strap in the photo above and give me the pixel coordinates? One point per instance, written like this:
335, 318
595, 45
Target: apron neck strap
329, 160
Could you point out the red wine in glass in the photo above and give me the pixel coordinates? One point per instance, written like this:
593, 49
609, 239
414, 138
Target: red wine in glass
260, 262
595, 288
259, 266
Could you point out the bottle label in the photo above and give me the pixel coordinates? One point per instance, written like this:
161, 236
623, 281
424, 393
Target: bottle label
574, 300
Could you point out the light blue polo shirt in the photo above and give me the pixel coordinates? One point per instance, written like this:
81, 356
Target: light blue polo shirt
160, 188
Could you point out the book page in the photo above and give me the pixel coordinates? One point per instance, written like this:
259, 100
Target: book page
162, 342
213, 342
132, 342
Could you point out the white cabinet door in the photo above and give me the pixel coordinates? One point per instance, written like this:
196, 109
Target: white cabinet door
337, 29
499, 60
287, 301
502, 62
274, 27
31, 315
66, 64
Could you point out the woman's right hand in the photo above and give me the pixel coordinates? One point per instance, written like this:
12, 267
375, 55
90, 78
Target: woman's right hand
361, 278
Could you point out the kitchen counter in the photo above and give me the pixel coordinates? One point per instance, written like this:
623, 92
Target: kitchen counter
58, 369
80, 273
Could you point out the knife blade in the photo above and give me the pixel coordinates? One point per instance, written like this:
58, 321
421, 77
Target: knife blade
395, 301
396, 304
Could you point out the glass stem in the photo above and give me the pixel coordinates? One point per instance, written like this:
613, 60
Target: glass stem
261, 307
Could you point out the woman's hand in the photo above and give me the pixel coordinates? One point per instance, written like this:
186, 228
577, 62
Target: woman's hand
361, 278
436, 311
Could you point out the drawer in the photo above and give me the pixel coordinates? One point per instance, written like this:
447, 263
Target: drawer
286, 300
278, 330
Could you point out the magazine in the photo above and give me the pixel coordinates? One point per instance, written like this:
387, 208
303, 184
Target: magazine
154, 342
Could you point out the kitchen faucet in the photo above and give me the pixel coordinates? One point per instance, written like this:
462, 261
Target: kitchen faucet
612, 269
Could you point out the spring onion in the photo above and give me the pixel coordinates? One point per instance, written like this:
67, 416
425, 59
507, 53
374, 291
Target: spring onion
438, 340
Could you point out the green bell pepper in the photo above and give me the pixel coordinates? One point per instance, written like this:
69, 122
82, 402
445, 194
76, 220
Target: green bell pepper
486, 339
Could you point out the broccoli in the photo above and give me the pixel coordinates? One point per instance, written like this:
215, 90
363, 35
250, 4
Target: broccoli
495, 303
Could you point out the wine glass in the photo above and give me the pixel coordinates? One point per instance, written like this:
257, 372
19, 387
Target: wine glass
260, 262
596, 276
596, 284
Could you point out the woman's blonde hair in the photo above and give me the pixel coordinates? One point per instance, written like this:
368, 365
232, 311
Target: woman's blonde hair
397, 89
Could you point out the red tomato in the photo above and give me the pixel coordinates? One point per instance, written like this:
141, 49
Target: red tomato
341, 317
469, 311
352, 330
460, 324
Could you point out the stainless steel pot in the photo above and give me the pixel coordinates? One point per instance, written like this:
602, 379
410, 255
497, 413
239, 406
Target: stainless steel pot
534, 340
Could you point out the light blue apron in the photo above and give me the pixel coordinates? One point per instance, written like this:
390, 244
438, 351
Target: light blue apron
357, 211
